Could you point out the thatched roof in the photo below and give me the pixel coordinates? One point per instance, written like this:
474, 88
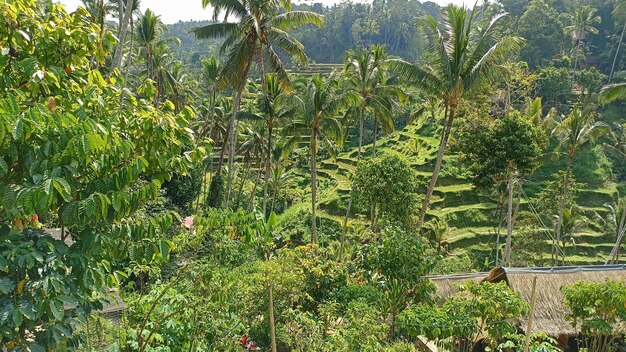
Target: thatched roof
550, 309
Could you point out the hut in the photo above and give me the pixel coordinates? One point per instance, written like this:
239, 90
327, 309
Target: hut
550, 310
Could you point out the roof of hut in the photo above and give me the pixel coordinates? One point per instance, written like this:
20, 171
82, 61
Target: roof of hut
550, 310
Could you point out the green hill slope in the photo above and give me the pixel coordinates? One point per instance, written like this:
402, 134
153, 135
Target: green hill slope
472, 214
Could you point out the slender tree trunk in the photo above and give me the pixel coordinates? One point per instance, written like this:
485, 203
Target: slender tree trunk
313, 186
559, 224
360, 132
267, 168
269, 134
344, 229
509, 218
619, 45
375, 136
246, 169
272, 325
273, 199
132, 45
117, 56
233, 142
440, 154
254, 188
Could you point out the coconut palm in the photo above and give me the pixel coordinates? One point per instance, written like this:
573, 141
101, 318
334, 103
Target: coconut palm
253, 147
438, 229
573, 132
582, 22
125, 12
463, 54
317, 120
154, 49
615, 222
276, 107
99, 10
618, 11
365, 80
613, 92
261, 28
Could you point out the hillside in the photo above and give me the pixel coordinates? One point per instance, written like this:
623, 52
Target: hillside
471, 214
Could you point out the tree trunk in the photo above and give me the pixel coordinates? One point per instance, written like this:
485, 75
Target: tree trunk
375, 135
117, 56
440, 154
272, 326
509, 218
233, 142
313, 186
267, 169
269, 135
132, 44
253, 193
619, 45
344, 229
273, 199
246, 169
559, 224
360, 132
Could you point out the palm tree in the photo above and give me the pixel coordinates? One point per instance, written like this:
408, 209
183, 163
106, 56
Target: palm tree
618, 11
320, 102
261, 28
365, 81
582, 23
99, 10
125, 9
277, 107
160, 66
438, 229
616, 222
613, 92
463, 55
573, 132
254, 147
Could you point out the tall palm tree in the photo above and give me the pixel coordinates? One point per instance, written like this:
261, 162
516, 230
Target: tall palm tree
254, 147
582, 22
365, 80
277, 107
463, 54
618, 11
99, 10
261, 28
125, 12
317, 119
573, 132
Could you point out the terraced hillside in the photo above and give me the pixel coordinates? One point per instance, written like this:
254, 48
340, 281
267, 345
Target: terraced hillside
472, 215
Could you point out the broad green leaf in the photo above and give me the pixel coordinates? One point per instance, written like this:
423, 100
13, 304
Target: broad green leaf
63, 188
56, 308
4, 168
6, 285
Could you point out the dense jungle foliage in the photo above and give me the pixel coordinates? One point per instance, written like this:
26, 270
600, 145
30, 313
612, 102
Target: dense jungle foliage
289, 177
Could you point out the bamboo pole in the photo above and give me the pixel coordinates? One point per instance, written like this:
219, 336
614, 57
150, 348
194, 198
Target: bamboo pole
529, 326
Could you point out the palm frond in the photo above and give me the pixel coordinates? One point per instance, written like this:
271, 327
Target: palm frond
215, 30
295, 19
613, 92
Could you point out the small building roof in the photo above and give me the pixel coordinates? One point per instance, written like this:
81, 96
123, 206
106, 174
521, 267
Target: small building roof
550, 310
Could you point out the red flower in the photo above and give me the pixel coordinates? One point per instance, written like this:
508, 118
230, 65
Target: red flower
34, 218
